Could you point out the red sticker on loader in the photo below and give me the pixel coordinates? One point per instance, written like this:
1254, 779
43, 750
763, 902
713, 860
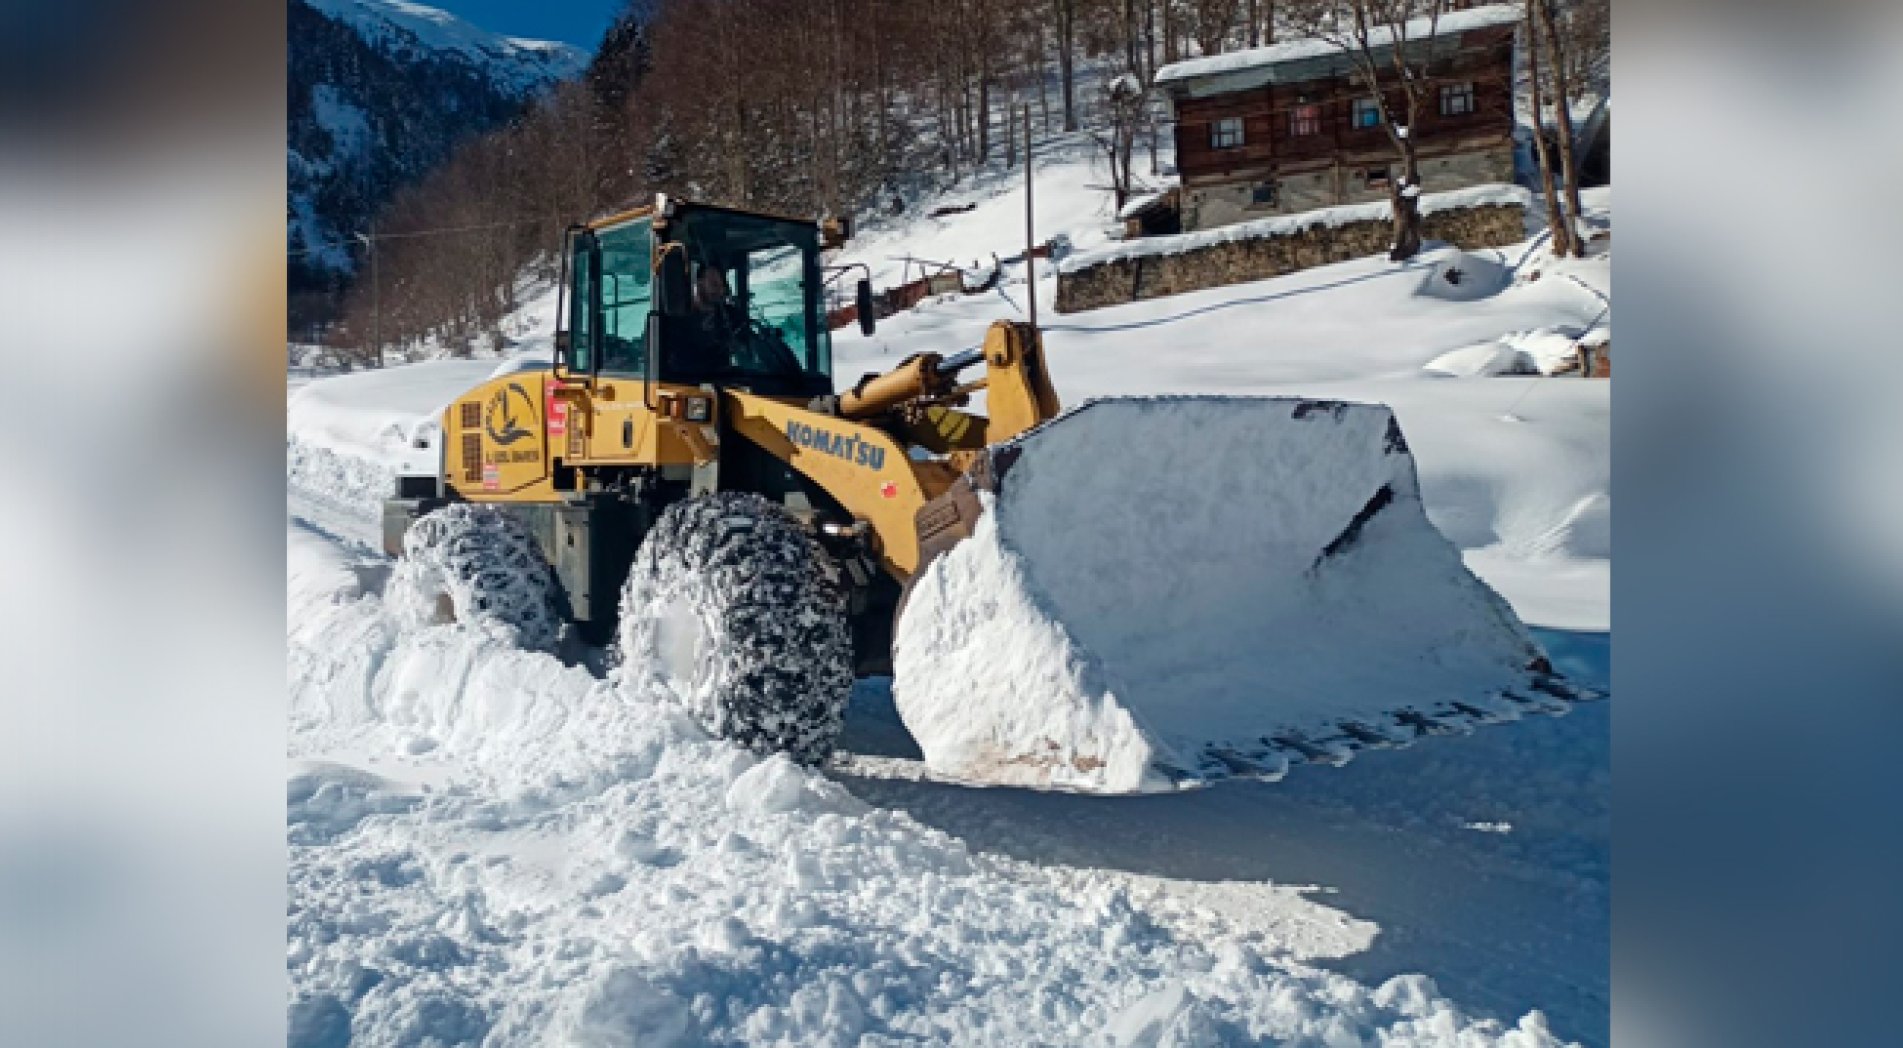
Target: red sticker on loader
491, 476
889, 490
557, 415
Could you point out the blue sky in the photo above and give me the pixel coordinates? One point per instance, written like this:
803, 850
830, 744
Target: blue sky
578, 22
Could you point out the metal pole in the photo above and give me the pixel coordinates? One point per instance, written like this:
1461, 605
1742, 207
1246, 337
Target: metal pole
1030, 237
376, 297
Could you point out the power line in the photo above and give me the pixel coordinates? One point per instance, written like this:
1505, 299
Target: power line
455, 229
442, 231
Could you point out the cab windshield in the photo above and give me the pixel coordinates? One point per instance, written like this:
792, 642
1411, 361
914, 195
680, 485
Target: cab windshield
757, 317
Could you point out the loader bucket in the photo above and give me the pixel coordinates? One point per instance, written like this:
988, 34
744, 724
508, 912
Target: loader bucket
1150, 594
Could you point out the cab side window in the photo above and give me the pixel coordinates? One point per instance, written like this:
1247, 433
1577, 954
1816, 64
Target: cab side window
583, 268
627, 292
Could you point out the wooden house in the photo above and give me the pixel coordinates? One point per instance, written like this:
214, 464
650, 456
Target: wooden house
1285, 128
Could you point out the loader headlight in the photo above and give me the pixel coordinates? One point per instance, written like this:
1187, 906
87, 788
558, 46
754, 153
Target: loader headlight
699, 409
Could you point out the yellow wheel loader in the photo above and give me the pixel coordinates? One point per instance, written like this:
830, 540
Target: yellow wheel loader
1137, 595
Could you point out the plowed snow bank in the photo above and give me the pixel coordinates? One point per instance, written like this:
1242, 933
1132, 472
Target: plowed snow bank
535, 856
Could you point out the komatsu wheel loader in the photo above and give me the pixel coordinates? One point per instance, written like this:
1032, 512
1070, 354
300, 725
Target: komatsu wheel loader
1137, 595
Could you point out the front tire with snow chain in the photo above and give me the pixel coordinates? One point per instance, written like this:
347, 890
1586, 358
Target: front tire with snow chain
733, 607
479, 565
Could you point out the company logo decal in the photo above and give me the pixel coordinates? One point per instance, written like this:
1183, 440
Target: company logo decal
838, 445
503, 417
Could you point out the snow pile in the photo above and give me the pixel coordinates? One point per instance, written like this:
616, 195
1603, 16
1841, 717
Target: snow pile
1492, 195
487, 846
1466, 276
1542, 351
348, 437
994, 689
1297, 594
1484, 359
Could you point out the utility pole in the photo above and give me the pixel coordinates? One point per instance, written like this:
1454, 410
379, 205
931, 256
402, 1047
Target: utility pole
376, 292
1030, 237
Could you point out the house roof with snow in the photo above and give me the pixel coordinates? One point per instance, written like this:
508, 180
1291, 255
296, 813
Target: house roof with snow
1315, 58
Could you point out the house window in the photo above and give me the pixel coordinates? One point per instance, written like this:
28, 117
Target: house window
1456, 99
1305, 120
1263, 195
1376, 177
1226, 133
1367, 114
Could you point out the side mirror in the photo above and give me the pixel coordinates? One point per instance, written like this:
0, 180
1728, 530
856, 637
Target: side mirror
835, 231
867, 319
673, 289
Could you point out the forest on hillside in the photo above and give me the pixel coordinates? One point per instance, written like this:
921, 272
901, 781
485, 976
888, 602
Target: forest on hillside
803, 107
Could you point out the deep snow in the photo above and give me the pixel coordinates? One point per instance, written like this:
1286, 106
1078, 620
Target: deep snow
488, 844
491, 843
1516, 471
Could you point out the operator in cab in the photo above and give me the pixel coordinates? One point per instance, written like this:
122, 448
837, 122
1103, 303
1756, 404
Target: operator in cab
719, 322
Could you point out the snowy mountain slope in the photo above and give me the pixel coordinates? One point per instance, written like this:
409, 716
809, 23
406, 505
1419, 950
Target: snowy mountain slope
405, 30
379, 92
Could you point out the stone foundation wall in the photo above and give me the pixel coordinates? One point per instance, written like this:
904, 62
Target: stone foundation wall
1209, 207
1117, 281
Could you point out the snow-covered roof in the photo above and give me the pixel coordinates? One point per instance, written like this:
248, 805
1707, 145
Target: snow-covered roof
1253, 67
1279, 225
1142, 202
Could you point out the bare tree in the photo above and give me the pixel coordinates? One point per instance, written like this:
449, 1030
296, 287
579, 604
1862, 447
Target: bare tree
1260, 16
1557, 219
1124, 107
1389, 47
1548, 35
1066, 24
843, 103
1212, 21
1586, 28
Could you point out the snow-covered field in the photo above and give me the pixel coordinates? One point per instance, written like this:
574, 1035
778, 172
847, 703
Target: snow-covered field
489, 846
1516, 470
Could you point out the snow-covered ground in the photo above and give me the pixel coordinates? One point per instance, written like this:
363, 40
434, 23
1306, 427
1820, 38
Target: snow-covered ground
1515, 470
487, 843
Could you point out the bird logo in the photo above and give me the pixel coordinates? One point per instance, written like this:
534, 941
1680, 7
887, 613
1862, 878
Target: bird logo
500, 419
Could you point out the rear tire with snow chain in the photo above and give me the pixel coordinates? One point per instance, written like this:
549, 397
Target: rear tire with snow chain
478, 565
734, 607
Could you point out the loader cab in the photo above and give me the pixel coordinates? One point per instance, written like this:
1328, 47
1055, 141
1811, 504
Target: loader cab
743, 307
